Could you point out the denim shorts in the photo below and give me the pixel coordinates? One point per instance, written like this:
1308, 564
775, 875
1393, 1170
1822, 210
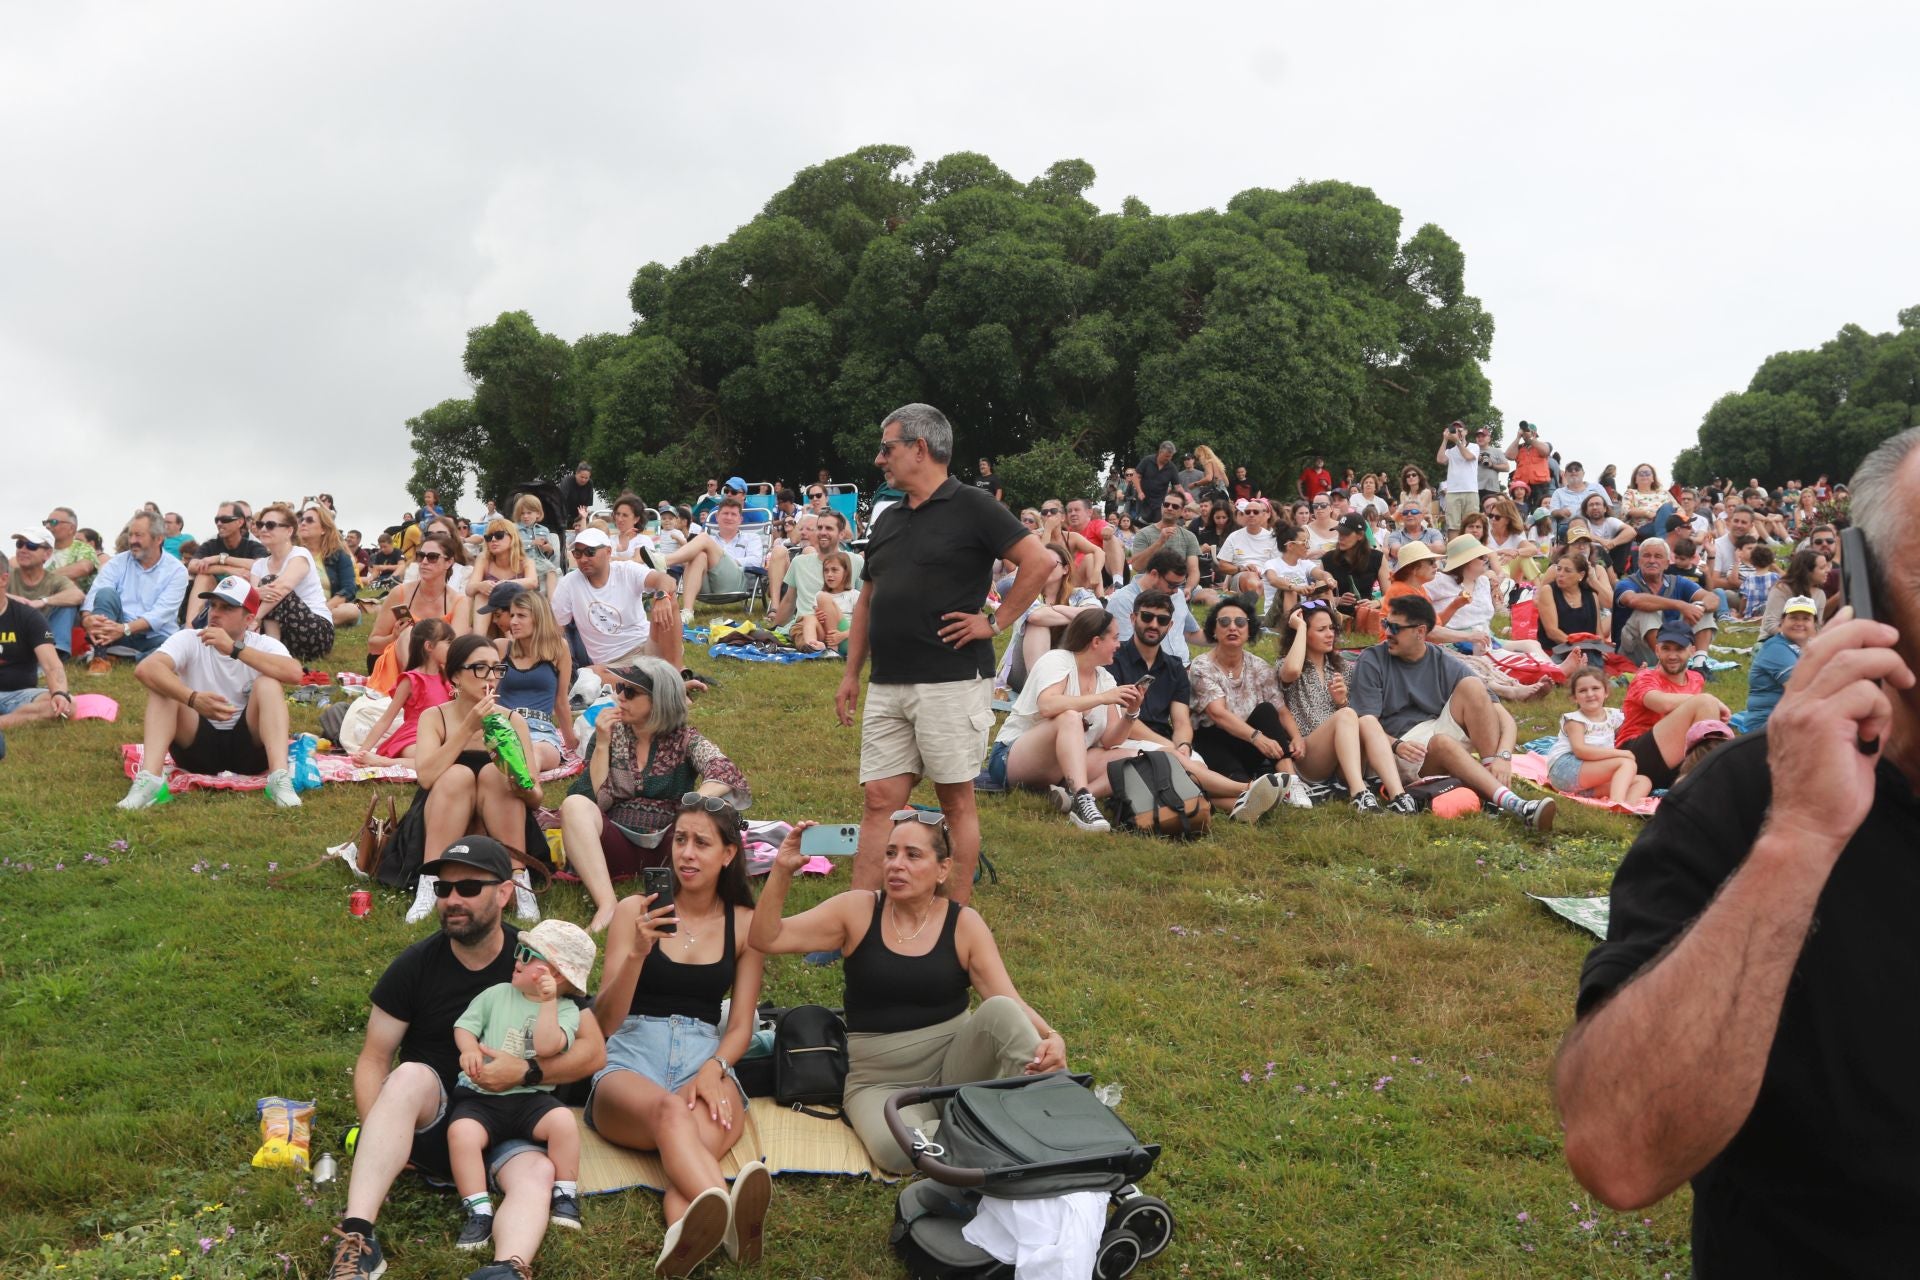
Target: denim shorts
1564, 774
13, 700
668, 1051
541, 729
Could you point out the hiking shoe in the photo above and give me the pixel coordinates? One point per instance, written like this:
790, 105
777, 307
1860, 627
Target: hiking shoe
1367, 802
752, 1192
1297, 795
280, 790
476, 1232
1060, 798
510, 1269
1085, 813
1404, 803
1538, 814
148, 790
1261, 795
356, 1257
100, 665
698, 1233
564, 1211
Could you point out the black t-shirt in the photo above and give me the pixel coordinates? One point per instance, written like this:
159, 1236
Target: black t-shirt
1155, 480
927, 561
248, 549
1821, 1180
23, 629
1359, 582
987, 484
391, 557
1170, 684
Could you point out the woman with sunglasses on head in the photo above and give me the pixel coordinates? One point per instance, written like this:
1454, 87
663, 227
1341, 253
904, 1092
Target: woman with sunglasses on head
463, 790
1642, 499
431, 595
321, 538
539, 671
642, 757
293, 604
1242, 727
669, 1085
505, 561
1313, 681
912, 961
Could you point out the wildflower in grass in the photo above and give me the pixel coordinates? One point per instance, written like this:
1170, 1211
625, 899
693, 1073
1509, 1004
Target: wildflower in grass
1246, 1077
1380, 1085
206, 1245
273, 866
119, 846
1522, 1216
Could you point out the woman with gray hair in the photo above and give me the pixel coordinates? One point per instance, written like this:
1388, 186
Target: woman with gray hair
643, 757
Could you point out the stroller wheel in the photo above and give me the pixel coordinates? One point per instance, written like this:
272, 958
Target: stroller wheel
1120, 1253
1150, 1218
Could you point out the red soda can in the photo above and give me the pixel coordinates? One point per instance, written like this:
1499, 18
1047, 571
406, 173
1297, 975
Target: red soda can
359, 903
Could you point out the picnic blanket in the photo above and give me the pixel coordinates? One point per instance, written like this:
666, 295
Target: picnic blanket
754, 653
333, 768
787, 1141
1534, 769
1589, 913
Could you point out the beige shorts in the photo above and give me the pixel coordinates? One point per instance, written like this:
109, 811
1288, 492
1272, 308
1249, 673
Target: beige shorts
932, 731
1442, 725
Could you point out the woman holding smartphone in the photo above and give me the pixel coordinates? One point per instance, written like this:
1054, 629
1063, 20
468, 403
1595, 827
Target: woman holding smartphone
669, 1084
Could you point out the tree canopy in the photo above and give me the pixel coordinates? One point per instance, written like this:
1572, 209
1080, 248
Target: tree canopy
1812, 413
1293, 322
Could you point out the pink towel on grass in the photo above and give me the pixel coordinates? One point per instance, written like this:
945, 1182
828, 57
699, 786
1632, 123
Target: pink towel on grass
1534, 769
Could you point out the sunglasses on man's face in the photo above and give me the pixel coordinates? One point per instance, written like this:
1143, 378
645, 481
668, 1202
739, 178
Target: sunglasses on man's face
1392, 628
1826, 542
229, 519
1154, 618
465, 888
585, 553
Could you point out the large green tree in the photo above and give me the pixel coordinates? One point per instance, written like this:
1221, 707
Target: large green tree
1293, 322
1812, 413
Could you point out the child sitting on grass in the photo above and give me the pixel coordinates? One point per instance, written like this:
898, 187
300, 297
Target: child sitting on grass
833, 607
524, 1018
423, 684
1584, 761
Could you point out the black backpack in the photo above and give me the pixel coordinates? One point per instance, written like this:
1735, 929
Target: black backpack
810, 1060
1153, 794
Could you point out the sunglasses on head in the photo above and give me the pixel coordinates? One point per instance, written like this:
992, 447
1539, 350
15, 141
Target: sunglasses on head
1307, 606
498, 670
465, 888
929, 818
712, 804
1154, 617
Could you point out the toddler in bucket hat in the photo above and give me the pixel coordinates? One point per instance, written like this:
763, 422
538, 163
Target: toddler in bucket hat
533, 1015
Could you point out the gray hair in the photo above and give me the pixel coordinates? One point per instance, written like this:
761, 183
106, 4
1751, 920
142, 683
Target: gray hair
669, 697
1876, 511
1166, 446
1660, 543
156, 523
69, 513
924, 422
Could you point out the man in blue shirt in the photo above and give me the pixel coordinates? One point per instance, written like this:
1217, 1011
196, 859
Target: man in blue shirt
1650, 596
1166, 571
135, 602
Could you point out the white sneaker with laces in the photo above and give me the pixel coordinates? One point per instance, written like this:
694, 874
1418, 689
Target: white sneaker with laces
1261, 795
524, 905
1085, 813
280, 790
1297, 792
422, 900
145, 791
1060, 798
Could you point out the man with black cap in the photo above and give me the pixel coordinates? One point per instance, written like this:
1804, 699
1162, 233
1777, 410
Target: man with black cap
408, 1064
216, 699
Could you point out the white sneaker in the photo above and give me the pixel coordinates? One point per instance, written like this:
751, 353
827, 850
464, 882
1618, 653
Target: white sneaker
751, 1194
698, 1233
1261, 795
1085, 813
148, 789
422, 900
686, 616
280, 789
1060, 798
524, 905
1297, 792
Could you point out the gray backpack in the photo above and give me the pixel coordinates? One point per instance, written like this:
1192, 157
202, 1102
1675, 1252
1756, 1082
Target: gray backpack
1153, 794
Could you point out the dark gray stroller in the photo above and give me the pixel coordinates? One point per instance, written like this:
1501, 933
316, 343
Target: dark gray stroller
1024, 1138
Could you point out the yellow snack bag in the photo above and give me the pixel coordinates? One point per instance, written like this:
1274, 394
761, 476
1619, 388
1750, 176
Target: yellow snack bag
286, 1129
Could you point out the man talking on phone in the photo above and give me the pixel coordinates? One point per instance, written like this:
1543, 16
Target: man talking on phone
1746, 1026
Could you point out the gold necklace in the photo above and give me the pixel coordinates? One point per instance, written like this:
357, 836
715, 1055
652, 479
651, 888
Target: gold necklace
909, 937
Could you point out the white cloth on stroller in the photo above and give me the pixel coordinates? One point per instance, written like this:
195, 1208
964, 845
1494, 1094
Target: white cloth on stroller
1051, 1238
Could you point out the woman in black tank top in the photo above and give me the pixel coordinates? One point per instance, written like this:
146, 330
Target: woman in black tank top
1570, 599
668, 1085
913, 958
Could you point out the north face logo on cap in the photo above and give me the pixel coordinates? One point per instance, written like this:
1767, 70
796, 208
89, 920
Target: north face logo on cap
458, 848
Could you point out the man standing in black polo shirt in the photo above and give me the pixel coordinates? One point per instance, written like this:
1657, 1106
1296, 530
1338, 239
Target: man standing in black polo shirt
930, 699
1746, 1023
1157, 473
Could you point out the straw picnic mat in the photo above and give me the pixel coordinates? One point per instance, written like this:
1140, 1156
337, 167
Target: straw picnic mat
785, 1140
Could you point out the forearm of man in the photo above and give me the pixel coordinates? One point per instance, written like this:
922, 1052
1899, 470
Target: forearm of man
1663, 702
586, 1055
1138, 560
1657, 1081
1033, 560
272, 665
158, 674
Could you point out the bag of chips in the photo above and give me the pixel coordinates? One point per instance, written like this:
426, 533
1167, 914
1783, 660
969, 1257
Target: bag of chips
286, 1134
501, 739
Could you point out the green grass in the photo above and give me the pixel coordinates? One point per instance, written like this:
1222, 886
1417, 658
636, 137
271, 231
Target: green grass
1339, 1029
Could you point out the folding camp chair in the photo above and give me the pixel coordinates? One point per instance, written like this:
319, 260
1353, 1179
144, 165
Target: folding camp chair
759, 522
845, 498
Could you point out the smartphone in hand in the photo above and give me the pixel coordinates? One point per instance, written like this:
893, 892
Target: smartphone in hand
1856, 573
830, 840
660, 882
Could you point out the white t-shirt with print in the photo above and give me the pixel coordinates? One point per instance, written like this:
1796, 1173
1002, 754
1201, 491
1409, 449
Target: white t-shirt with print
205, 669
1245, 547
310, 588
612, 619
1054, 666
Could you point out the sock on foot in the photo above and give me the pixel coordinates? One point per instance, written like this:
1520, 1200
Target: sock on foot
563, 1188
1507, 800
357, 1227
478, 1203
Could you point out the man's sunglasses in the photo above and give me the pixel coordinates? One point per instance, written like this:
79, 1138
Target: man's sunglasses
53, 523
525, 954
227, 520
498, 670
1392, 628
1153, 617
465, 888
1825, 542
584, 553
498, 535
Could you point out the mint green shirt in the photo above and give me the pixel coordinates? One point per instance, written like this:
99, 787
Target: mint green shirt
502, 1019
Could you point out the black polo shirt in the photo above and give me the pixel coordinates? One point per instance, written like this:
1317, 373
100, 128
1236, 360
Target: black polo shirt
1170, 684
927, 561
1155, 480
1822, 1179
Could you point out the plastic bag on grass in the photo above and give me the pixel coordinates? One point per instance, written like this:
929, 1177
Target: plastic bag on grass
286, 1134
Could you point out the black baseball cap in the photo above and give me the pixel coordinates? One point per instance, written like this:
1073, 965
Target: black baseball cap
502, 596
482, 853
1352, 522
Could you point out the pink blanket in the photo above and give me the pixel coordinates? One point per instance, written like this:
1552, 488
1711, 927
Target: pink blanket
1534, 769
333, 768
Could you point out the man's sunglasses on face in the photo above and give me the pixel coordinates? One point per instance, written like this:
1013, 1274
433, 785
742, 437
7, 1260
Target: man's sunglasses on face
1392, 628
229, 519
1153, 617
584, 553
465, 888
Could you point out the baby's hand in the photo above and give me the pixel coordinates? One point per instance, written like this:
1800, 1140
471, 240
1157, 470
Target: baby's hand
545, 987
471, 1061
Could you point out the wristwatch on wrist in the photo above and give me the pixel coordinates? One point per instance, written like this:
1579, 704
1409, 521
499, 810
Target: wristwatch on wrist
534, 1073
239, 645
1503, 755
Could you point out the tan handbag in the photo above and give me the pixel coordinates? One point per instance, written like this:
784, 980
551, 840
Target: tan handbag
376, 833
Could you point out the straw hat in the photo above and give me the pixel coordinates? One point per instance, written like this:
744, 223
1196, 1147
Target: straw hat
1410, 554
565, 946
1464, 550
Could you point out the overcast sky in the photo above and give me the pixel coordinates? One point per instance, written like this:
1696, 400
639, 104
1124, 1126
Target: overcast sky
243, 243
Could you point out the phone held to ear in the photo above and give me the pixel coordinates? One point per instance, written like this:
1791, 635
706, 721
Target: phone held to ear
660, 882
1856, 584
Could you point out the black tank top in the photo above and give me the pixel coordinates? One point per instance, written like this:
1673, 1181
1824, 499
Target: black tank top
1582, 617
887, 991
667, 987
